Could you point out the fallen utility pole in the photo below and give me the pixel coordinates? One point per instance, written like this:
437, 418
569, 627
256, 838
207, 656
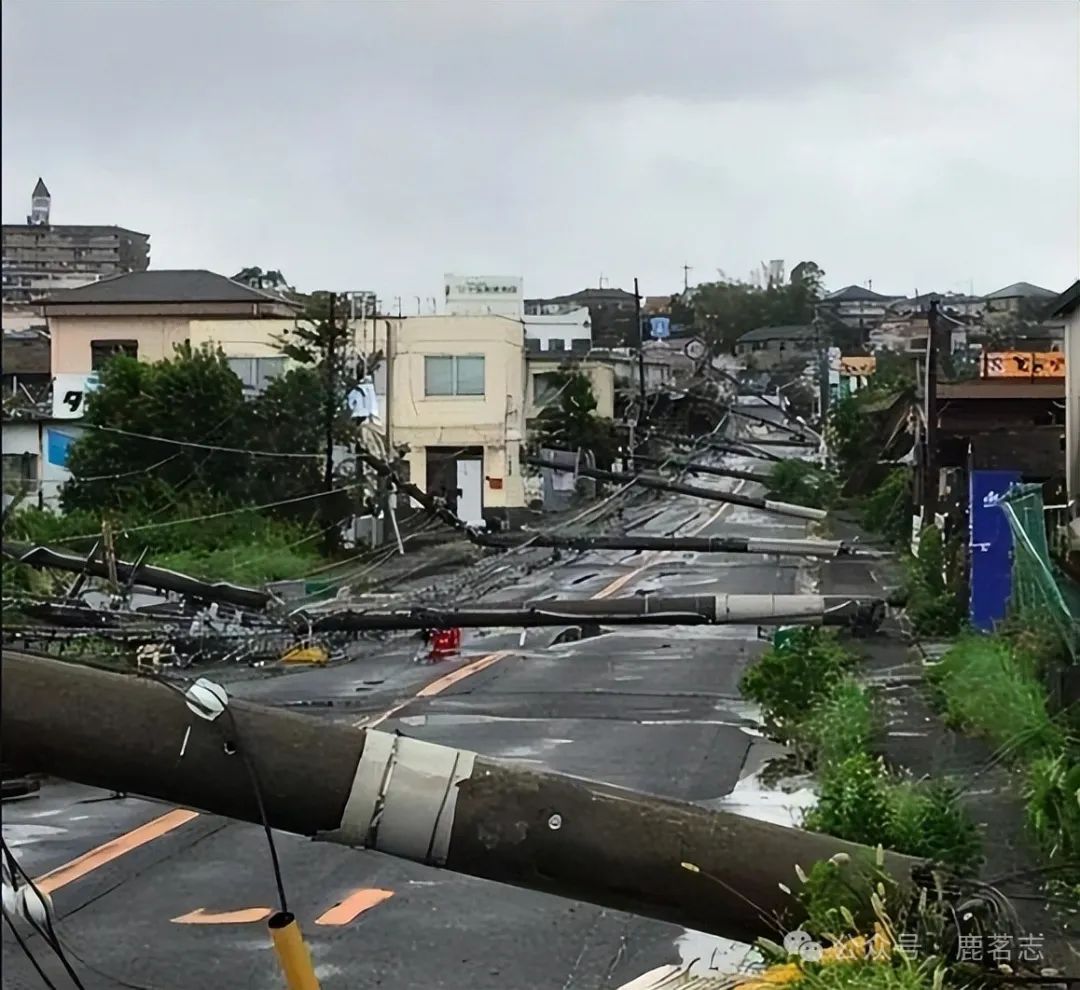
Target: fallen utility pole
638, 610
800, 433
444, 807
717, 471
145, 575
733, 445
693, 544
714, 495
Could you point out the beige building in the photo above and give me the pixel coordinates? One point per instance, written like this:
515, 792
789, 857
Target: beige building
147, 314
456, 398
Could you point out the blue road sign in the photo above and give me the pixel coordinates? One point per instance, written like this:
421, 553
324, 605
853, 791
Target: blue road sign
660, 327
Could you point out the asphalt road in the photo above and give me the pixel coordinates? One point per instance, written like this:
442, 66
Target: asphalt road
169, 899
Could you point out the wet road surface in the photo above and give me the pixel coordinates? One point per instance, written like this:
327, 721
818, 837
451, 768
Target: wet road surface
180, 901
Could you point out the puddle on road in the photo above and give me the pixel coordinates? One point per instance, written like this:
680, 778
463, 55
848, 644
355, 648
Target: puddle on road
786, 804
16, 834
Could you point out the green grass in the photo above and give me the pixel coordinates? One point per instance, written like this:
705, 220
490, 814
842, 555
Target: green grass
840, 726
861, 802
991, 690
244, 546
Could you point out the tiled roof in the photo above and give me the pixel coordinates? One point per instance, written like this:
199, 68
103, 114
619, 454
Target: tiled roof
165, 286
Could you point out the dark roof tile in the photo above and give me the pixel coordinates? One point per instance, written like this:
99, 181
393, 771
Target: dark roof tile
164, 286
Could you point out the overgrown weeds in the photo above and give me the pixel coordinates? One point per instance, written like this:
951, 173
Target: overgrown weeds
990, 686
810, 701
935, 604
244, 545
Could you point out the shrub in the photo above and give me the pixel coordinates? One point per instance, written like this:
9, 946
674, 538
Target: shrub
927, 820
840, 726
792, 678
861, 803
853, 803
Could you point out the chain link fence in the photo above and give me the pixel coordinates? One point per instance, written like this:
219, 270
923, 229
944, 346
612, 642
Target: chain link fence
1038, 587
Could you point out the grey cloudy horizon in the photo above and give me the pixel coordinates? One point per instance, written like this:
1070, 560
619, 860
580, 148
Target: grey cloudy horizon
378, 145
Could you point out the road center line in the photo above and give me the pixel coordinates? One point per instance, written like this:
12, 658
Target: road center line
121, 846
353, 906
440, 685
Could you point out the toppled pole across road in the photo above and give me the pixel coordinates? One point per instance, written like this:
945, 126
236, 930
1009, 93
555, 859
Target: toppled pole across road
449, 808
145, 575
692, 467
692, 544
663, 485
637, 610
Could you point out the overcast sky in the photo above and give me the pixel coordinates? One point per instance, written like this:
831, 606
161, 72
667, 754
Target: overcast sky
354, 145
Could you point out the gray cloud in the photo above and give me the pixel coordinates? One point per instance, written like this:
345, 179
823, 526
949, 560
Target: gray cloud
357, 144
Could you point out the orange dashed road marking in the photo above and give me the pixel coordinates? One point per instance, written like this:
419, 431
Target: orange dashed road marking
440, 685
96, 858
245, 916
353, 906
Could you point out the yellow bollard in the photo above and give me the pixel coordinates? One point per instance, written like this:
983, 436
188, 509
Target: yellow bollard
292, 952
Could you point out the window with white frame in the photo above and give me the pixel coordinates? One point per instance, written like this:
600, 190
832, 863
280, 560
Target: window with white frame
256, 373
454, 375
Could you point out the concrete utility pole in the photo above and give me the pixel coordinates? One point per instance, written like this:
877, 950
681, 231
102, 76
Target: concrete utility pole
640, 355
330, 413
450, 808
142, 574
696, 544
716, 470
930, 471
711, 494
865, 614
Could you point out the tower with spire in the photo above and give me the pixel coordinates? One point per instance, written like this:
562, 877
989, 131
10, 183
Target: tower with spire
40, 201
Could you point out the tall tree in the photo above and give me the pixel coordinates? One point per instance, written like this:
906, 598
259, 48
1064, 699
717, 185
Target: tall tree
570, 421
192, 397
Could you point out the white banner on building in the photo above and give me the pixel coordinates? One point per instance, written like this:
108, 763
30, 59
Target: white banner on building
69, 395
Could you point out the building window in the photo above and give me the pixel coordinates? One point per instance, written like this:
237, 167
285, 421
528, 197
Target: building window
256, 373
532, 345
546, 388
581, 345
556, 344
22, 469
102, 351
454, 375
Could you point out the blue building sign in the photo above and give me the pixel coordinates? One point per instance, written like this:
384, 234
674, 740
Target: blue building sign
57, 447
990, 547
660, 327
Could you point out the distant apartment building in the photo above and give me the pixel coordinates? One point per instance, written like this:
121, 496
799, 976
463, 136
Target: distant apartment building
568, 334
767, 348
40, 258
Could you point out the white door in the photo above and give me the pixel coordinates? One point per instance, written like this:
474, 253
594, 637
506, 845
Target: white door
470, 492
